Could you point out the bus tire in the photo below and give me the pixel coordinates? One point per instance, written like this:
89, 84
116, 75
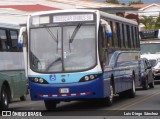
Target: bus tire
23, 98
50, 104
4, 101
145, 85
132, 92
151, 85
109, 99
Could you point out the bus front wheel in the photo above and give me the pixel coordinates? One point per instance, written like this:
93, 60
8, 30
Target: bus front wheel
50, 104
110, 98
4, 101
132, 92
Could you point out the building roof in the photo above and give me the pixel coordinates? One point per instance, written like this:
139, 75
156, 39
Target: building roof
30, 8
139, 5
144, 6
151, 5
12, 17
86, 3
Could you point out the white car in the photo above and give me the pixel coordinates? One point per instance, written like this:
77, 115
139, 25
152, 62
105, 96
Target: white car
154, 59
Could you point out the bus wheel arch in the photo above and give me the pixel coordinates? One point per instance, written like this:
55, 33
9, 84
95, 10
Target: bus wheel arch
5, 96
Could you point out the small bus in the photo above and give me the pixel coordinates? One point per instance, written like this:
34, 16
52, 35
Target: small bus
13, 82
80, 54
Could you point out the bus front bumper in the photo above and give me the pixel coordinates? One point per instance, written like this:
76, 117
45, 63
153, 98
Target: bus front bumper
67, 92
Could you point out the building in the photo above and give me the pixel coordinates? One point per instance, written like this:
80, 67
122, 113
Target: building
43, 5
152, 10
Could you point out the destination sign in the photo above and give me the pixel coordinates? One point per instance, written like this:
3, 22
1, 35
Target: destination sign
72, 18
149, 34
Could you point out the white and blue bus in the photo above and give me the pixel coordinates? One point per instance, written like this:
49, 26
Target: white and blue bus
80, 54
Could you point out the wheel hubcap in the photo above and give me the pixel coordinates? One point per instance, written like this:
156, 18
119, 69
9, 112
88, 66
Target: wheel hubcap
4, 95
134, 89
111, 96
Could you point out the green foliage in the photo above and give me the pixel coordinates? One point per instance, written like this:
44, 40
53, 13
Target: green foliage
112, 1
149, 22
157, 23
135, 2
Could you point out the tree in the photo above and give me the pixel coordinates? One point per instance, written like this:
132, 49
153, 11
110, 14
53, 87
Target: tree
135, 2
148, 22
112, 1
157, 23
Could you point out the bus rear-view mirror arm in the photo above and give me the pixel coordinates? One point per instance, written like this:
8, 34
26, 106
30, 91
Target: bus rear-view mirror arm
22, 38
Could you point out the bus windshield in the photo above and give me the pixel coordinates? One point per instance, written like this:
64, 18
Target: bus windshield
150, 48
63, 49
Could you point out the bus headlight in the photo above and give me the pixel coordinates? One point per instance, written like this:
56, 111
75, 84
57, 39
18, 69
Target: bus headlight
86, 78
92, 77
41, 80
38, 80
35, 79
89, 77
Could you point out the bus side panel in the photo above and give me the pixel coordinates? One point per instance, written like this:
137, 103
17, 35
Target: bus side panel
16, 81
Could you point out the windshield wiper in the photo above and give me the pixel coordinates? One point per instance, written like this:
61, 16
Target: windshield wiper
75, 32
53, 37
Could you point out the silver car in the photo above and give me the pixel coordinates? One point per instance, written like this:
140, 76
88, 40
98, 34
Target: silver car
147, 76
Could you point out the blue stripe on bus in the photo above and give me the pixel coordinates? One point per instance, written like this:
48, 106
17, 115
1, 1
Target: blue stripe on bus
68, 77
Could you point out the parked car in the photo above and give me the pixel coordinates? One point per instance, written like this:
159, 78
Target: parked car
147, 76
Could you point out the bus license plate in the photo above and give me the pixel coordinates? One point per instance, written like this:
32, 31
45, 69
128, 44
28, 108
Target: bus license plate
64, 90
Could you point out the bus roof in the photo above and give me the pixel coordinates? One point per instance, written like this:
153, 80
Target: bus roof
63, 11
111, 16
114, 17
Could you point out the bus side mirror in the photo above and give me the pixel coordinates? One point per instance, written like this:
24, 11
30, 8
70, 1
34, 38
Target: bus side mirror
22, 37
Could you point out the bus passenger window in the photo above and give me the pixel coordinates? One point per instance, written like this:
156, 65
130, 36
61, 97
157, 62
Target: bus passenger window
137, 37
111, 40
3, 40
123, 36
14, 39
133, 36
118, 34
114, 37
128, 36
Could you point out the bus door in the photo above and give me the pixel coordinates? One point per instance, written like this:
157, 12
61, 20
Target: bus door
107, 52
